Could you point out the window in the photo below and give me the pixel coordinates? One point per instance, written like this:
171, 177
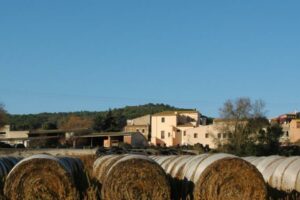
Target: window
229, 135
143, 130
169, 134
2, 133
162, 134
195, 135
162, 120
219, 135
184, 133
224, 135
137, 130
287, 134
206, 135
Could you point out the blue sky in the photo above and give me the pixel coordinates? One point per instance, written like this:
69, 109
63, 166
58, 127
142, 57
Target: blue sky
66, 55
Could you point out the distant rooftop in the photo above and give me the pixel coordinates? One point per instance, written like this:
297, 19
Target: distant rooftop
175, 112
83, 130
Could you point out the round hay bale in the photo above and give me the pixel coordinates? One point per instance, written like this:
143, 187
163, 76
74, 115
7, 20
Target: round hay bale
102, 165
131, 177
214, 176
281, 173
45, 177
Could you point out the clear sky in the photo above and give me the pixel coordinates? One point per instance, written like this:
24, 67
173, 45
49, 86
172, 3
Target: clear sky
71, 55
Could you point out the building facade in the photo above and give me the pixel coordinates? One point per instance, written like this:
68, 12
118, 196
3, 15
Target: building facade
290, 124
13, 137
168, 128
141, 125
294, 131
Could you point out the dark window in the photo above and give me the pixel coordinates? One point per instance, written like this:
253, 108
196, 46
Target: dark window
169, 134
224, 135
229, 135
206, 135
162, 120
137, 130
184, 133
195, 135
162, 134
219, 135
143, 130
287, 134
2, 133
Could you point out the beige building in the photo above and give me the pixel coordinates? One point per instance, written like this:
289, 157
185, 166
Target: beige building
183, 128
209, 135
13, 137
212, 135
169, 127
141, 125
290, 124
294, 131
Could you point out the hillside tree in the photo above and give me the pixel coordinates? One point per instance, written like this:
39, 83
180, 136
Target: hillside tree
3, 116
76, 122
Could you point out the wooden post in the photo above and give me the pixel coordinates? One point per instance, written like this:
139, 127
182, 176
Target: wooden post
74, 143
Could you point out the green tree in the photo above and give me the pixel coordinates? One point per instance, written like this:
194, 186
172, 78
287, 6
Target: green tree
50, 125
3, 116
110, 123
98, 123
268, 140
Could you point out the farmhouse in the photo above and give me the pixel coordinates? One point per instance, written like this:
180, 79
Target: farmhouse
76, 138
140, 124
169, 127
13, 137
173, 128
290, 124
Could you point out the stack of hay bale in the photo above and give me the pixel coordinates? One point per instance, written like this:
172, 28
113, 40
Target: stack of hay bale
130, 177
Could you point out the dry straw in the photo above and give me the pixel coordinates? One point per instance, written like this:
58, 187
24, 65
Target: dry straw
212, 177
45, 177
130, 177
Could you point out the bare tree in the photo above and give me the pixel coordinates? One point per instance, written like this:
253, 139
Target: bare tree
241, 119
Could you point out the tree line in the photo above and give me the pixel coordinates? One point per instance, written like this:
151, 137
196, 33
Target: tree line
110, 120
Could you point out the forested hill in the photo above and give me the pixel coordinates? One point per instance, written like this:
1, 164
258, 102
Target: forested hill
57, 120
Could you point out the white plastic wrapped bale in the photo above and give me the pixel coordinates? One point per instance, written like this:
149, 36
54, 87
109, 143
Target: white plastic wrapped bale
131, 177
45, 177
281, 173
212, 176
6, 164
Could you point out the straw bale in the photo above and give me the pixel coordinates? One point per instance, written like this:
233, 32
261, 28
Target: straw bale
212, 177
132, 177
45, 177
230, 179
